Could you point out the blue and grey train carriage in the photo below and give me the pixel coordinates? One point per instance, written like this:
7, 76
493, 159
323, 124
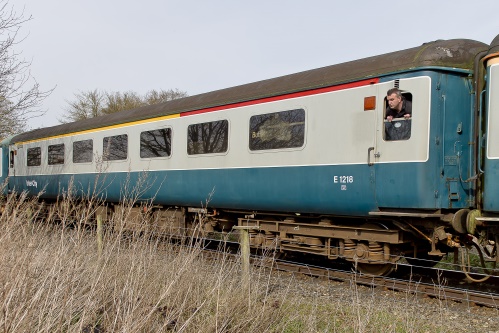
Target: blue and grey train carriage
308, 158
4, 162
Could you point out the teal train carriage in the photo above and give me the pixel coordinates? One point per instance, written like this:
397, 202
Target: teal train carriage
309, 158
4, 163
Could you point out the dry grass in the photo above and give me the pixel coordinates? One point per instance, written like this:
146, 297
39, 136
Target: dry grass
53, 280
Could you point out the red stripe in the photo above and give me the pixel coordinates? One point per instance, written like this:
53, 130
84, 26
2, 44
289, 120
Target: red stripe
282, 97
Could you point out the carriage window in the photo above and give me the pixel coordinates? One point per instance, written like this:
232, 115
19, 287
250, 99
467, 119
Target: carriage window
277, 130
34, 156
208, 138
399, 128
115, 148
12, 154
156, 143
56, 154
83, 151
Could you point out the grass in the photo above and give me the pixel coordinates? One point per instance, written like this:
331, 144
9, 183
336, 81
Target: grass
53, 279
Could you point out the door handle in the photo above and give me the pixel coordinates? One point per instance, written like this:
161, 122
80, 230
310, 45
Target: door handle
369, 156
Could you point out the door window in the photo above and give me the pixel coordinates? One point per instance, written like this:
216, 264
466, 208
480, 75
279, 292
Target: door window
397, 127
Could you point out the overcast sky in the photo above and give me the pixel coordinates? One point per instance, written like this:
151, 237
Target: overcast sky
200, 46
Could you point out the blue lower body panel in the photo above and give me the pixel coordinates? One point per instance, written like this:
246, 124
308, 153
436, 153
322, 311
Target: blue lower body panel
343, 190
339, 190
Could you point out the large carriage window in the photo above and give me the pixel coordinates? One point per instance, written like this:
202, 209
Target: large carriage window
156, 143
115, 148
208, 138
277, 130
56, 154
398, 128
83, 151
34, 156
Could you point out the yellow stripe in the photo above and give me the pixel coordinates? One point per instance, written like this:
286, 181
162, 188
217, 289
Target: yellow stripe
99, 129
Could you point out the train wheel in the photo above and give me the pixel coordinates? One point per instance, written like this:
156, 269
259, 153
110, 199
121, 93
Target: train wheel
380, 269
375, 269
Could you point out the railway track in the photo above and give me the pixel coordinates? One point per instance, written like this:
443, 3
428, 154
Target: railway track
437, 283
466, 296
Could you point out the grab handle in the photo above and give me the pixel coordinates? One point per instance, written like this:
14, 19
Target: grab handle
369, 156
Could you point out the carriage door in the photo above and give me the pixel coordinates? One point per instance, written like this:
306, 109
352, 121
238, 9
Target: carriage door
491, 167
4, 166
401, 153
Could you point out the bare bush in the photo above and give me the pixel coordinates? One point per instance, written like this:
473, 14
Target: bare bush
54, 280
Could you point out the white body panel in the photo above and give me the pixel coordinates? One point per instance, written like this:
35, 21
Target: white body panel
493, 116
337, 132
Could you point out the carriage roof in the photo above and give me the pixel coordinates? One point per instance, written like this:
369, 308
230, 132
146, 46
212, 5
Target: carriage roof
452, 54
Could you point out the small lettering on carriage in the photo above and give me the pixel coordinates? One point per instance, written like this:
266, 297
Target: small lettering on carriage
343, 179
31, 183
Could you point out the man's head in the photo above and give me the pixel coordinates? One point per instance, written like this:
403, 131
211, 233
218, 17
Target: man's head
394, 99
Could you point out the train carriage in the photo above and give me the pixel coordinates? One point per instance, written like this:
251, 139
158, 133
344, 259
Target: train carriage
307, 157
4, 160
489, 131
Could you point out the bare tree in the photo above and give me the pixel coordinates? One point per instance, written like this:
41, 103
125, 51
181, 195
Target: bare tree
117, 102
155, 97
95, 103
20, 94
88, 104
